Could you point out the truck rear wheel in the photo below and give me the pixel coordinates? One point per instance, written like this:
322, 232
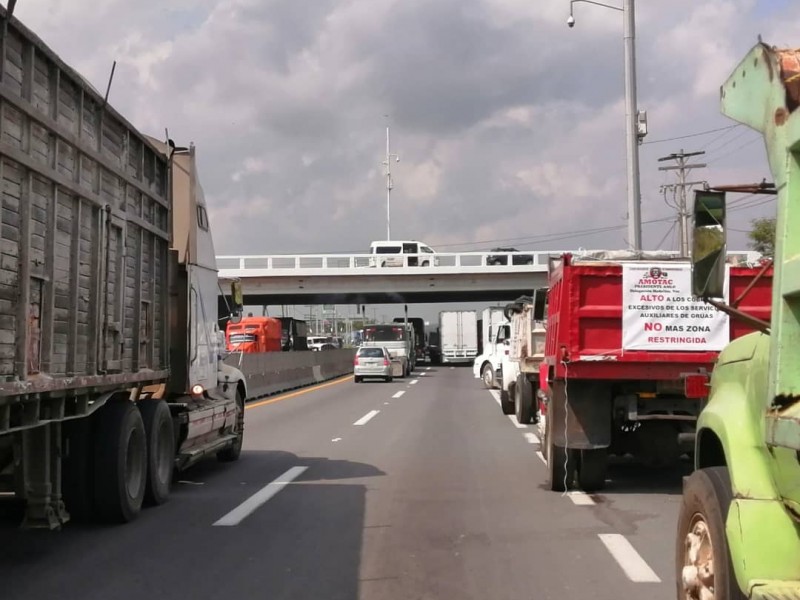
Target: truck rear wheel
702, 558
232, 452
560, 470
487, 375
507, 400
592, 469
160, 449
523, 400
120, 460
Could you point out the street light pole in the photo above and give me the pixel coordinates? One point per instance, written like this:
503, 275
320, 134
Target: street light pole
388, 163
632, 133
631, 129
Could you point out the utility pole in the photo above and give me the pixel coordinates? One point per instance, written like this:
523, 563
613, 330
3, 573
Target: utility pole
635, 119
389, 185
683, 169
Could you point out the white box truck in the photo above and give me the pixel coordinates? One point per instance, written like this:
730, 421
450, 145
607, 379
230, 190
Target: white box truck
458, 331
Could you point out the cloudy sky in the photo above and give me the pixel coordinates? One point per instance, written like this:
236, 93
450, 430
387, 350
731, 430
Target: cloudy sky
510, 125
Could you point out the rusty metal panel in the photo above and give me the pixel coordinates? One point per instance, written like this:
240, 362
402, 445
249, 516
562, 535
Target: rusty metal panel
84, 236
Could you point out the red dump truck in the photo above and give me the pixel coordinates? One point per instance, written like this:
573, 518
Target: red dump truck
628, 355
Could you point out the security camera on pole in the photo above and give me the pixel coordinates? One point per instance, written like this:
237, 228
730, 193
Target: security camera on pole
635, 120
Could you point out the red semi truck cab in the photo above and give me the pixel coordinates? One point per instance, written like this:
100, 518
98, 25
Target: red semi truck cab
254, 334
628, 356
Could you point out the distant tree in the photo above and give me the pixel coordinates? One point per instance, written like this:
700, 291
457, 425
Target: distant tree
762, 236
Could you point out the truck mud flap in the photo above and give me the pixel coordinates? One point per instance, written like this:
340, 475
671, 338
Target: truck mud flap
587, 408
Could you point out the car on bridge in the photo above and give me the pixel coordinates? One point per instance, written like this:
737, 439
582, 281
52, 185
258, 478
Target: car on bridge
503, 259
392, 254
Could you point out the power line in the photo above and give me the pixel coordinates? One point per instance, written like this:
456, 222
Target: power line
720, 136
551, 237
730, 140
735, 150
691, 135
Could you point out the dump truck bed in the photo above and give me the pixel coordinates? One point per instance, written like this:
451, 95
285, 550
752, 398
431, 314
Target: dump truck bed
84, 240
588, 308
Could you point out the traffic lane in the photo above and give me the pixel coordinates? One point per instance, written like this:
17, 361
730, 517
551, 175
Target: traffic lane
462, 511
308, 549
183, 527
293, 421
643, 503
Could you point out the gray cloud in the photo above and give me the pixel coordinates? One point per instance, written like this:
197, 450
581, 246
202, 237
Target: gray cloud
510, 125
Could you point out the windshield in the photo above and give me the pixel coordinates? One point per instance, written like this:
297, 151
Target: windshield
371, 352
384, 333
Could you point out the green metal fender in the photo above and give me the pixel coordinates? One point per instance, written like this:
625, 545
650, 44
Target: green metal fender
762, 536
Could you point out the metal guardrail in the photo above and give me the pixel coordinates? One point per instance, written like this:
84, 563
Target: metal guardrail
512, 261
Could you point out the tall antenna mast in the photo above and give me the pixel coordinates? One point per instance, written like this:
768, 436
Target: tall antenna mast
388, 164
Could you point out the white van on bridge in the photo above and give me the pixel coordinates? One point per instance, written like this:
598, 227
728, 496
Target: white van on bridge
402, 254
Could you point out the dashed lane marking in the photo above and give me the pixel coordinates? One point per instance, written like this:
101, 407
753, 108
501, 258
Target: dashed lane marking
366, 418
634, 566
246, 508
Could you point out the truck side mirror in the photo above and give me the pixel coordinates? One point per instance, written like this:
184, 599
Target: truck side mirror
709, 245
237, 298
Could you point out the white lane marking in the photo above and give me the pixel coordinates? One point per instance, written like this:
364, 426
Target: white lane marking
531, 437
541, 456
413, 381
399, 394
365, 419
423, 374
336, 440
628, 558
452, 367
496, 395
386, 404
513, 420
580, 498
428, 368
241, 512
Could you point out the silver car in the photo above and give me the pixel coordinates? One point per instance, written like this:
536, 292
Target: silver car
372, 361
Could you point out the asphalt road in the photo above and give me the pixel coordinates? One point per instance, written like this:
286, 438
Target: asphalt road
416, 489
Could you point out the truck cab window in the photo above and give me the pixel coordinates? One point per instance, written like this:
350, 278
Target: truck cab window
202, 218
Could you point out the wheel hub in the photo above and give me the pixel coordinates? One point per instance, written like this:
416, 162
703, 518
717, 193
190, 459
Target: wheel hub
698, 562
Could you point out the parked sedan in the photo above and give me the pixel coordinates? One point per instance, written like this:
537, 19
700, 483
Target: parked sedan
372, 361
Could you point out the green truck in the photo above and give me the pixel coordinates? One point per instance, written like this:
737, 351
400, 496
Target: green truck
739, 526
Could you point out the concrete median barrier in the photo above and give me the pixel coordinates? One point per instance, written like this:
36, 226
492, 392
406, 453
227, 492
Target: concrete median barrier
274, 372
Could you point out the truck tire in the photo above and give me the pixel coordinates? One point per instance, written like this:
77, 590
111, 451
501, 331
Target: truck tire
507, 400
77, 482
702, 558
120, 462
160, 450
232, 452
592, 469
487, 376
560, 471
523, 400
